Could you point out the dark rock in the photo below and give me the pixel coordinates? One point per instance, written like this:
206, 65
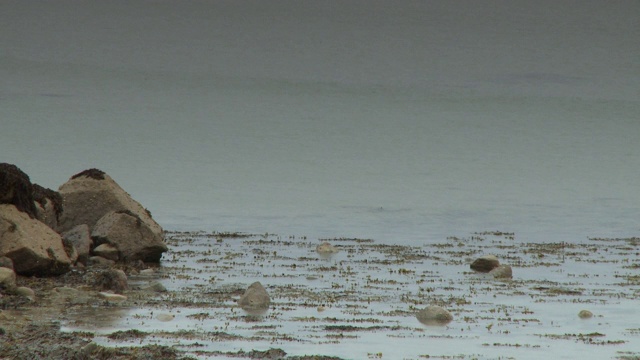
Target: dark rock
485, 263
100, 261
16, 189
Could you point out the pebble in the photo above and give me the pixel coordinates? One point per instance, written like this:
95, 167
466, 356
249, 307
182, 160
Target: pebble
434, 315
26, 292
326, 249
585, 314
112, 297
165, 317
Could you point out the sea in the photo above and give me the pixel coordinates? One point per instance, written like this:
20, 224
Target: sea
403, 122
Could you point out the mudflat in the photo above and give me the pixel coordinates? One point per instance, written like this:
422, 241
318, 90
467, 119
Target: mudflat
357, 302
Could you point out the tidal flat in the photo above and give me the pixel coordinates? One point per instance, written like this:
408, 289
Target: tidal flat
358, 303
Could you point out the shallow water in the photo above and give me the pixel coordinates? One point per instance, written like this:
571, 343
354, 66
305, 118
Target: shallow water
364, 298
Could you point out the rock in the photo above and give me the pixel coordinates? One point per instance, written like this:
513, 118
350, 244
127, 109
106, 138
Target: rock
132, 237
91, 194
112, 279
80, 238
502, 272
434, 315
34, 248
7, 280
5, 262
155, 286
147, 272
70, 249
16, 189
255, 299
485, 263
48, 204
107, 251
585, 314
111, 297
165, 317
326, 249
100, 261
26, 292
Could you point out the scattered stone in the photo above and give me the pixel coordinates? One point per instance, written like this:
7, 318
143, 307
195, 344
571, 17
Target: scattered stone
165, 317
485, 263
107, 251
326, 249
502, 272
147, 272
434, 315
585, 314
133, 238
112, 297
155, 286
26, 292
112, 279
80, 238
255, 299
5, 262
16, 189
34, 248
7, 280
99, 261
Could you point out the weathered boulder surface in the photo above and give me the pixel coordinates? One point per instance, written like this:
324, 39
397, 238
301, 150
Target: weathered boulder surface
34, 248
80, 238
133, 238
485, 263
434, 315
255, 299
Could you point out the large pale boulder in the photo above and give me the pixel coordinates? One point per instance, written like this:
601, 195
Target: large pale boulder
90, 195
34, 248
133, 238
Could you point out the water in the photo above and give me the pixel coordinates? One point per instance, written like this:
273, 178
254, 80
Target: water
403, 122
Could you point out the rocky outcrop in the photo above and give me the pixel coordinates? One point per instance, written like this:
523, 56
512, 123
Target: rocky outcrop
34, 248
132, 237
113, 217
485, 263
255, 299
434, 315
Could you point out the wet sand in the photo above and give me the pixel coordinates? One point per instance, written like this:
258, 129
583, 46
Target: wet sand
359, 303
